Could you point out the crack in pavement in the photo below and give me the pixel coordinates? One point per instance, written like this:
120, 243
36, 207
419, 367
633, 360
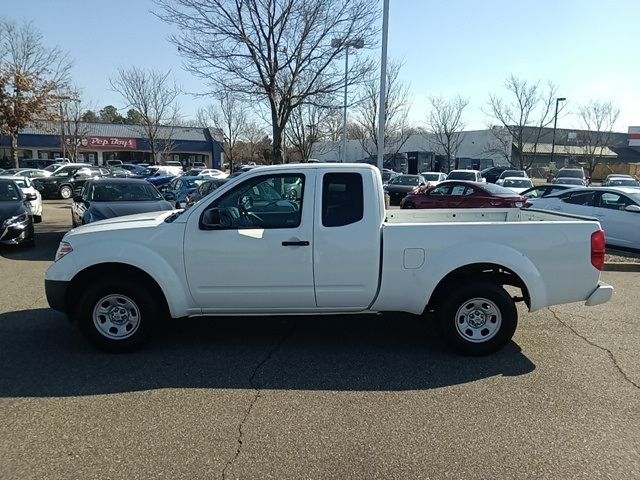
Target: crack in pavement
256, 397
593, 344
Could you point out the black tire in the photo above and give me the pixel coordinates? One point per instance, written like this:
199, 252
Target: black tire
408, 205
148, 313
499, 320
37, 219
66, 192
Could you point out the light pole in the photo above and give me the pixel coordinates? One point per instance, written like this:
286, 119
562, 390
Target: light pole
555, 123
356, 43
383, 84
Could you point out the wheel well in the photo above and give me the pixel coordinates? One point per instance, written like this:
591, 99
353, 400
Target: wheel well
481, 272
89, 274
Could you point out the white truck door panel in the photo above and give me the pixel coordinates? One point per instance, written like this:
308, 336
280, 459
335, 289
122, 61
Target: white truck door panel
346, 240
264, 260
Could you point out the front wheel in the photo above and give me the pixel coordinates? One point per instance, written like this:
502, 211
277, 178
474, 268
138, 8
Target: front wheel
117, 315
66, 192
478, 319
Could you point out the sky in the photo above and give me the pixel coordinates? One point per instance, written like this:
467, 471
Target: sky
449, 47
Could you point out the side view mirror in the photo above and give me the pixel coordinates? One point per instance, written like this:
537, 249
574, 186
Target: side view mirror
30, 197
633, 208
77, 198
213, 218
169, 196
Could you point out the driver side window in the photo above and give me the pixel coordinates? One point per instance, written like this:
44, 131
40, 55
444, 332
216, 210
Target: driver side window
268, 201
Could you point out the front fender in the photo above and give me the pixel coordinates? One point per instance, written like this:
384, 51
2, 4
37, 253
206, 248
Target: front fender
165, 267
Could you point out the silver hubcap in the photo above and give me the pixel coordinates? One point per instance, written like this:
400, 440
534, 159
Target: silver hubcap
478, 320
65, 192
116, 317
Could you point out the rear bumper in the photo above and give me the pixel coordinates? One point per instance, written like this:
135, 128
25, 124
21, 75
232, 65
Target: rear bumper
56, 292
601, 294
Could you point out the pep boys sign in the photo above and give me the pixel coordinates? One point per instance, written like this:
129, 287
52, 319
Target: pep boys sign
111, 142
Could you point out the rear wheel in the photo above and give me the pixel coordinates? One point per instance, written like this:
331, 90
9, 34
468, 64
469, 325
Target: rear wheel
66, 192
478, 319
117, 314
408, 205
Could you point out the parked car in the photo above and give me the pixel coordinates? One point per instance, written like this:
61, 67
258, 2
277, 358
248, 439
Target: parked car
160, 180
512, 174
179, 188
115, 197
26, 172
544, 190
516, 184
293, 187
434, 178
113, 163
575, 172
198, 165
173, 166
569, 181
54, 166
38, 163
246, 250
194, 172
33, 197
492, 174
204, 189
616, 208
212, 172
463, 194
133, 168
401, 185
16, 220
388, 175
469, 175
620, 182
119, 172
66, 180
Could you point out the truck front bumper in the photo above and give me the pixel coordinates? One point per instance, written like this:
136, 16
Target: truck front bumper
601, 294
56, 292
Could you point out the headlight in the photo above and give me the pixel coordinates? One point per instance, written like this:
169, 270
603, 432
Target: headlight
17, 221
63, 249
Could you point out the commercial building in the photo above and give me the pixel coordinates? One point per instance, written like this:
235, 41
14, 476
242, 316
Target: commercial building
98, 142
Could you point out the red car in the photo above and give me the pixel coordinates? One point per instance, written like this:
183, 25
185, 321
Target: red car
461, 194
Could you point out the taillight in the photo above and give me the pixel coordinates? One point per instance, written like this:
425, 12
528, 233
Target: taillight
598, 249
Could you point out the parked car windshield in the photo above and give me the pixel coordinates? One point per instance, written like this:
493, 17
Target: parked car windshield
569, 181
431, 177
462, 176
623, 182
405, 180
494, 189
524, 183
194, 182
9, 192
123, 192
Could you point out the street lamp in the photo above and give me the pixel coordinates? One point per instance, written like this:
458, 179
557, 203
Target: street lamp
555, 122
356, 43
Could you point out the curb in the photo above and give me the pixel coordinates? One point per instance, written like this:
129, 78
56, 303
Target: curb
621, 267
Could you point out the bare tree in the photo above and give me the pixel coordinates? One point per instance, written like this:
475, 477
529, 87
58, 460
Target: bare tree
309, 124
153, 94
597, 119
31, 76
523, 117
278, 51
445, 124
229, 115
397, 104
74, 129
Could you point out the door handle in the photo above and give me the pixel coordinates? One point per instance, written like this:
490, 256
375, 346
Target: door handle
296, 243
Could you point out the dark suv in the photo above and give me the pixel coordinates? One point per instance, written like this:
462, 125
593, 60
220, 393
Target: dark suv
575, 172
67, 179
492, 174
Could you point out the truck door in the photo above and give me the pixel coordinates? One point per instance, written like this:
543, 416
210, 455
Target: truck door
251, 248
346, 239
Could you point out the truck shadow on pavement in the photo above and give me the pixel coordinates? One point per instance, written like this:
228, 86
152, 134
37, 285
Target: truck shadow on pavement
43, 355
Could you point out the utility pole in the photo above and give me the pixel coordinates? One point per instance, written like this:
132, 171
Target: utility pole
555, 122
383, 84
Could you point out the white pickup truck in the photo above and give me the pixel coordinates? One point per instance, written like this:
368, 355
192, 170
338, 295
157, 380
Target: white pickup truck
250, 249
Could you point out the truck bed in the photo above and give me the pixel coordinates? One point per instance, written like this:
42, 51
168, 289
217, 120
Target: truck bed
477, 215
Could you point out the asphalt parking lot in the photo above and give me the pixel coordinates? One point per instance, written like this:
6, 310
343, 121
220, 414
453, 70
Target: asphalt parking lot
320, 398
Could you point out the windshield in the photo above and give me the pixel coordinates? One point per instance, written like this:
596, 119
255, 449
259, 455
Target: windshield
462, 176
194, 182
570, 174
9, 192
405, 180
513, 173
569, 181
496, 189
431, 177
123, 192
517, 183
623, 182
